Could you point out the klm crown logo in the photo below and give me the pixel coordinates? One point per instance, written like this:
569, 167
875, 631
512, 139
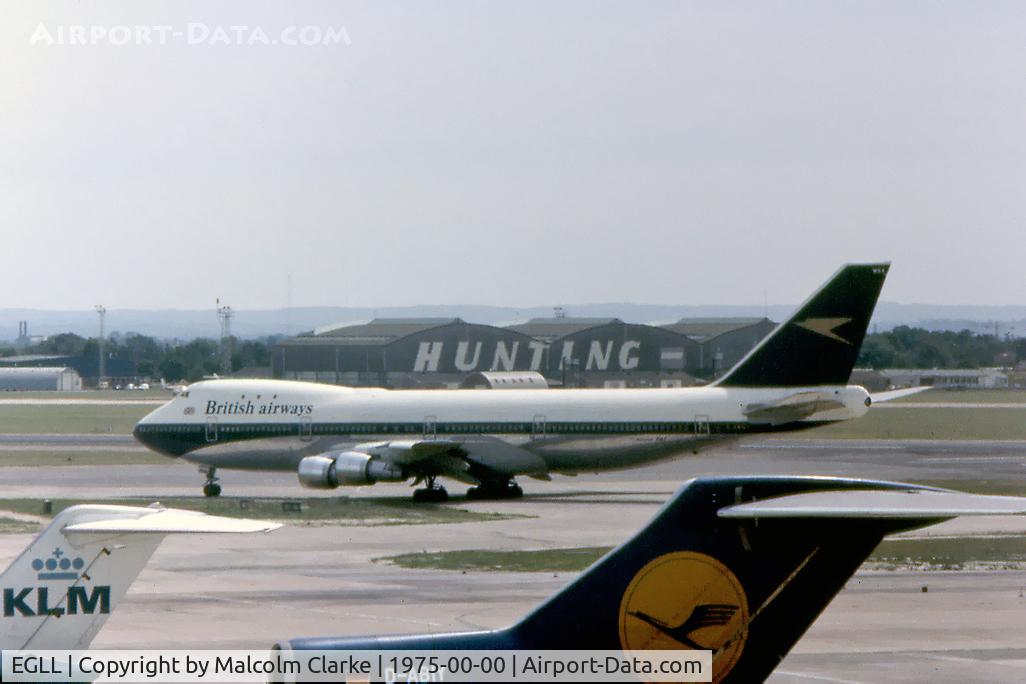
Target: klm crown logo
58, 566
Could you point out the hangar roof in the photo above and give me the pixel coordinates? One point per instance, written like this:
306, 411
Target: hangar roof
701, 329
551, 328
34, 370
30, 358
378, 331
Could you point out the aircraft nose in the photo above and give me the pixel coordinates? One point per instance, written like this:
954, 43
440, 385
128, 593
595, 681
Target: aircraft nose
140, 434
153, 435
144, 436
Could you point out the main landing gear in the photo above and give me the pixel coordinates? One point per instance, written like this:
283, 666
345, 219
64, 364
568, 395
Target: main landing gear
433, 493
210, 487
507, 489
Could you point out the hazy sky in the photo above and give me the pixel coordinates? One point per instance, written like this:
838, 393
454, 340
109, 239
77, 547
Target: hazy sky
512, 153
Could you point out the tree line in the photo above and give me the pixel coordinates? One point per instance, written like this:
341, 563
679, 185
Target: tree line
174, 361
171, 360
905, 347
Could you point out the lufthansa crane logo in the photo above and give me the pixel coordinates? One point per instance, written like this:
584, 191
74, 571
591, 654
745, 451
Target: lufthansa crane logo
686, 600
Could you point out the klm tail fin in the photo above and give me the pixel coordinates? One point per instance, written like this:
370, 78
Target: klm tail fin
740, 566
61, 589
819, 343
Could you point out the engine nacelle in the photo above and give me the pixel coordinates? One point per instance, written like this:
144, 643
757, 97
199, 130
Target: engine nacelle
346, 468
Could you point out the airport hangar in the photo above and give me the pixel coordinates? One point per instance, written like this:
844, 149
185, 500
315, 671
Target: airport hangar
87, 367
569, 352
40, 378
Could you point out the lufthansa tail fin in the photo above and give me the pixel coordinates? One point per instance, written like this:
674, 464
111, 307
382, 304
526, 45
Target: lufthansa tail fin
61, 589
740, 566
819, 343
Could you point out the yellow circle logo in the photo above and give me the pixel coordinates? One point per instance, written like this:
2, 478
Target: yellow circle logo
686, 600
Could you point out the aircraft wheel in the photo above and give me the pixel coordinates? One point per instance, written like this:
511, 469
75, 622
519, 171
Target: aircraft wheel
431, 495
212, 490
509, 490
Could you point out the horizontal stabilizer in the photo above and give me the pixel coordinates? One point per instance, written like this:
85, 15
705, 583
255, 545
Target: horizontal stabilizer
890, 395
854, 503
171, 521
792, 409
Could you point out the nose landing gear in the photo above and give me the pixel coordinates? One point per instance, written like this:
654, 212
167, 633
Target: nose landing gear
210, 487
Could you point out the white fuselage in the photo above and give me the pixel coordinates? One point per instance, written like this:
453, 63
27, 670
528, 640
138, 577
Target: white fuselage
271, 424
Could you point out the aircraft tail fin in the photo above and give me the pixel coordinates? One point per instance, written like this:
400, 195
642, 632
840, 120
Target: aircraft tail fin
819, 343
740, 566
60, 590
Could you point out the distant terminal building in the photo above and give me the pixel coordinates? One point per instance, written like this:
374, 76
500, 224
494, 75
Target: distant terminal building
954, 378
48, 379
565, 351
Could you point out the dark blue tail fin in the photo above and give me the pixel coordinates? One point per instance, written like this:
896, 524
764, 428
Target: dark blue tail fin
692, 579
740, 566
819, 343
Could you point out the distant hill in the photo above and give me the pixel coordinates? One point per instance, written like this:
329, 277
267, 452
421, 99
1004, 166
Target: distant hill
188, 324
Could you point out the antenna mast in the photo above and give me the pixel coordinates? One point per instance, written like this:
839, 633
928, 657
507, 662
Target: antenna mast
101, 381
224, 315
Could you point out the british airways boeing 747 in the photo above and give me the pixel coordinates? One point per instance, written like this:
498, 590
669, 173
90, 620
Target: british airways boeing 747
332, 436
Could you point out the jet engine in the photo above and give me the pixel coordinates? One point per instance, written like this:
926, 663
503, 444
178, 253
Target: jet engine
346, 468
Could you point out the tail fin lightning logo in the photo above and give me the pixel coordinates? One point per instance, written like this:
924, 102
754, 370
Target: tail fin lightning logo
825, 327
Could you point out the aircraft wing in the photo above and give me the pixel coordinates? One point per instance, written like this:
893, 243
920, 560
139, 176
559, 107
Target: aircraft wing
471, 460
854, 503
457, 457
407, 451
496, 456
